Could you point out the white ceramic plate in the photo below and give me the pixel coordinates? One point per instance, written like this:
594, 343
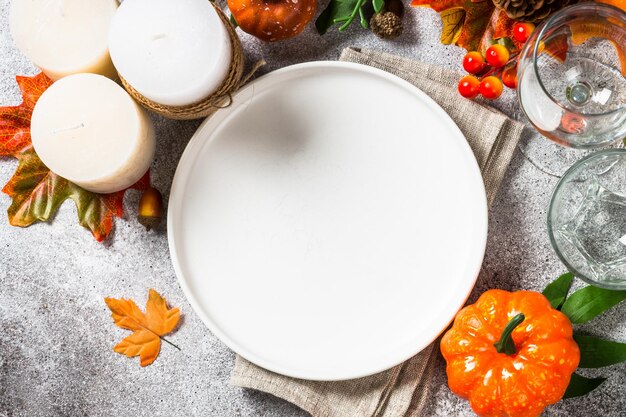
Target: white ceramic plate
330, 223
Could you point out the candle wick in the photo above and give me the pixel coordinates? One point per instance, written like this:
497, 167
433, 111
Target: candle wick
67, 129
158, 36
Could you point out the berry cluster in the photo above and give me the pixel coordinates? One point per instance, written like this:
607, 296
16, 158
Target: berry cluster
497, 67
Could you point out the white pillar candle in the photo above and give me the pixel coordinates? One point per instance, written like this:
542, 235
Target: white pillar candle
86, 128
173, 52
64, 37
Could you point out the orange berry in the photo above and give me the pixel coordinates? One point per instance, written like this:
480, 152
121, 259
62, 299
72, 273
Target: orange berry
497, 55
473, 62
490, 87
522, 31
509, 77
468, 86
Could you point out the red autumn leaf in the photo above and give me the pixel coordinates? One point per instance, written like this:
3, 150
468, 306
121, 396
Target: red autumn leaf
470, 24
15, 120
37, 192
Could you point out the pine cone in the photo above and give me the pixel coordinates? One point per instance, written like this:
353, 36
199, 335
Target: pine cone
530, 10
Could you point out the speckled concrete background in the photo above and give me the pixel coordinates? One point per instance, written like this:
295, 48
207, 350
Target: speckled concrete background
56, 335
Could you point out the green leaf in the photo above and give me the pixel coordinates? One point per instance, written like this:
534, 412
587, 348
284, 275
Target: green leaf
453, 20
579, 385
589, 302
325, 19
38, 193
596, 352
338, 11
506, 42
378, 5
233, 21
556, 292
364, 23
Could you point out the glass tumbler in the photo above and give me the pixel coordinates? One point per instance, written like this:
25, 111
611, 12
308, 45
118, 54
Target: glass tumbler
571, 76
587, 219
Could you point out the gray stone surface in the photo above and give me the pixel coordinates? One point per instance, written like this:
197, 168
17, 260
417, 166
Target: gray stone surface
56, 335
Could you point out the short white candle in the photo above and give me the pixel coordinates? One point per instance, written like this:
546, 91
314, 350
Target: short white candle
173, 52
64, 37
86, 128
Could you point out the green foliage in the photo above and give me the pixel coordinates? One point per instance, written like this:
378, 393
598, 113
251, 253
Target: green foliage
590, 302
579, 385
580, 307
556, 292
596, 352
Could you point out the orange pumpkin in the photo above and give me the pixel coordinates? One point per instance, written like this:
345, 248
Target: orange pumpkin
510, 354
272, 20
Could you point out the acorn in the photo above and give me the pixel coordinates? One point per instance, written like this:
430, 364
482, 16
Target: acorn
386, 25
150, 209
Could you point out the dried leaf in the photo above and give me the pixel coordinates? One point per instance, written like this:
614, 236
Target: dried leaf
37, 192
148, 328
620, 4
452, 24
15, 120
471, 24
582, 32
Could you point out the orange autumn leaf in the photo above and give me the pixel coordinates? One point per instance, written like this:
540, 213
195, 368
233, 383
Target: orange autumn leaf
15, 120
620, 4
470, 24
36, 192
148, 327
583, 31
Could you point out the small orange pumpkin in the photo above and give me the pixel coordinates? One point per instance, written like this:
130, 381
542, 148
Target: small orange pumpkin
272, 20
511, 354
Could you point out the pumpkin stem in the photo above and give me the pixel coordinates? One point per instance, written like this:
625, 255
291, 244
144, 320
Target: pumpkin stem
505, 344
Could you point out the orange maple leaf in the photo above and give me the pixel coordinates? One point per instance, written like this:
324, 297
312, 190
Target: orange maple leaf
148, 328
620, 4
583, 31
37, 192
471, 24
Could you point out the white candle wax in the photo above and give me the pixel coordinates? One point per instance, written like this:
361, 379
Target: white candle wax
64, 37
87, 129
172, 52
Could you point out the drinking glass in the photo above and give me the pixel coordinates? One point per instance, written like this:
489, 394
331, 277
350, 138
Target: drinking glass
587, 219
571, 76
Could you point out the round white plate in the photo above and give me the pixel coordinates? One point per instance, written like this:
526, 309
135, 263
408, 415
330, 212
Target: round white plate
330, 223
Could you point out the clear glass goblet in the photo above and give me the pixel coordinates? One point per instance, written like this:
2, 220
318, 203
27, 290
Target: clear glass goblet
571, 76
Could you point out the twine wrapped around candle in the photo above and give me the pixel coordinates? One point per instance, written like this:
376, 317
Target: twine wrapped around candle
221, 98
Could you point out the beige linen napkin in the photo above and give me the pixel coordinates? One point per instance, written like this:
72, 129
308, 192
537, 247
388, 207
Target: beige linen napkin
402, 390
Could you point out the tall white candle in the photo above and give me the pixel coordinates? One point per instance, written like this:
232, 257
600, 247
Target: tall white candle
64, 37
172, 52
87, 129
